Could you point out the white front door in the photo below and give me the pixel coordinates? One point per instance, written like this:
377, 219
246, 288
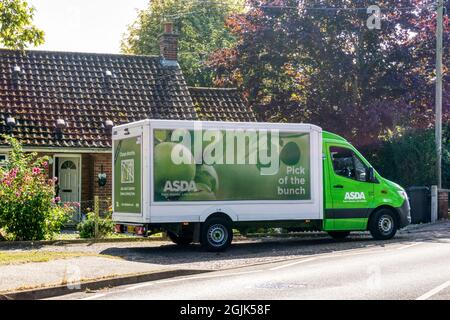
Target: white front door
69, 179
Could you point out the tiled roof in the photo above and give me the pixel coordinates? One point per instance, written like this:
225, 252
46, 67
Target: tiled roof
220, 104
75, 87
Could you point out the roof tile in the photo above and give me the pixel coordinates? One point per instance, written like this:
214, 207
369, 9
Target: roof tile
72, 86
220, 104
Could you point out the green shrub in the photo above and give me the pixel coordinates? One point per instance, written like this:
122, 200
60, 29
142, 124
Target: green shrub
410, 158
87, 227
28, 207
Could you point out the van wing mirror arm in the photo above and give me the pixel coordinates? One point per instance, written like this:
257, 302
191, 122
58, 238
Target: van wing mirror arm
370, 174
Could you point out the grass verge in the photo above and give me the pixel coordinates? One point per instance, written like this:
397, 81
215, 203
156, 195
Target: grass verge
41, 256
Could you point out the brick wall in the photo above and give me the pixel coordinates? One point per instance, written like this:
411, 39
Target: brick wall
168, 46
168, 42
105, 192
90, 168
87, 172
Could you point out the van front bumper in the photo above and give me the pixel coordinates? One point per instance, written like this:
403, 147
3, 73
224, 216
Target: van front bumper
404, 213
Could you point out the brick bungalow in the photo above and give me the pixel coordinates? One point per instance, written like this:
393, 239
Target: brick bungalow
64, 104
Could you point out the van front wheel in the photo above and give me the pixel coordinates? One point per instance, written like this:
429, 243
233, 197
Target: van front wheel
383, 225
216, 234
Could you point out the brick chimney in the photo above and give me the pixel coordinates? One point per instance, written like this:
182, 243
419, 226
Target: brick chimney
168, 43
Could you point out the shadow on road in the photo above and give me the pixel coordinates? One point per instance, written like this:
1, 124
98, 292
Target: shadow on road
170, 254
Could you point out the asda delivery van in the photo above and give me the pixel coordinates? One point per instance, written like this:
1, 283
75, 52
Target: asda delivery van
199, 180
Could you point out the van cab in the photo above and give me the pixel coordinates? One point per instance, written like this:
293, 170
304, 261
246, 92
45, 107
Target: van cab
356, 196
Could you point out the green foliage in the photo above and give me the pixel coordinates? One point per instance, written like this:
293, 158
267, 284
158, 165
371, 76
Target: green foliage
16, 25
200, 24
328, 68
409, 159
28, 207
87, 227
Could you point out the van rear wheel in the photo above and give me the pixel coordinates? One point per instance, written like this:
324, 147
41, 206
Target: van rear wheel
383, 225
182, 239
216, 234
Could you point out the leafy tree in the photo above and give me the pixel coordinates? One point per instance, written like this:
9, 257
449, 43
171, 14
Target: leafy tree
424, 54
16, 25
201, 26
325, 66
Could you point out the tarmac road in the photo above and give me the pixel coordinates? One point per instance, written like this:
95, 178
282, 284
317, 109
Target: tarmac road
416, 269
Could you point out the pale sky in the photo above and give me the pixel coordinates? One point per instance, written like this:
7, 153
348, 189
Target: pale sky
84, 25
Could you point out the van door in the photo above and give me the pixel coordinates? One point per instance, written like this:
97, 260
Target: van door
350, 191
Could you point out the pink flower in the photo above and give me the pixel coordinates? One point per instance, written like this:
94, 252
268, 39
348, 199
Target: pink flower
45, 164
36, 170
17, 194
13, 172
56, 200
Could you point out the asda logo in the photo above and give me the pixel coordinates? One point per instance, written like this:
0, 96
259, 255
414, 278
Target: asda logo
354, 196
179, 186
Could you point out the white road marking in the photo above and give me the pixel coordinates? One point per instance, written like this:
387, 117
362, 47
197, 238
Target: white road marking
209, 276
346, 254
147, 284
291, 264
409, 245
434, 291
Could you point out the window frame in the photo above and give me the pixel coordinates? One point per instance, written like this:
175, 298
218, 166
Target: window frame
70, 165
6, 158
358, 156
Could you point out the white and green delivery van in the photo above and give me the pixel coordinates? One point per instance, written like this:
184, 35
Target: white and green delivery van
200, 180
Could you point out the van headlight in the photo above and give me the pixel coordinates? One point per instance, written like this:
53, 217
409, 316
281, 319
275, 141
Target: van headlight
403, 194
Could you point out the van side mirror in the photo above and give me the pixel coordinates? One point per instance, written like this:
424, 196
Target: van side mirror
370, 175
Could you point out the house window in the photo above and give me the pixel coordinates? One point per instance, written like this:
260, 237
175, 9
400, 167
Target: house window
3, 157
68, 165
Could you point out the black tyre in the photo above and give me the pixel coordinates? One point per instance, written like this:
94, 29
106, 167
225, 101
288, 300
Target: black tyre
383, 224
216, 234
183, 239
338, 235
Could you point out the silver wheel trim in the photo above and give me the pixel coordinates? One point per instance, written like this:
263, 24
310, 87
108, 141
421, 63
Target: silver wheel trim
217, 235
385, 224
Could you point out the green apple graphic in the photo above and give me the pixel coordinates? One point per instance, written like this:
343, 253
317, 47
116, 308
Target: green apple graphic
166, 170
160, 135
290, 154
207, 175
